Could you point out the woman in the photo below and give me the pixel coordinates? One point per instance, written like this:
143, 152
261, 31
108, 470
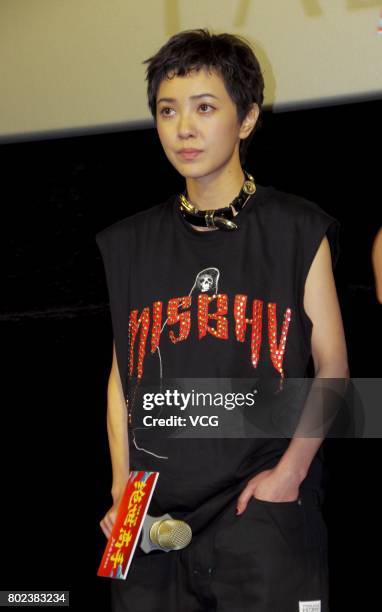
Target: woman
228, 281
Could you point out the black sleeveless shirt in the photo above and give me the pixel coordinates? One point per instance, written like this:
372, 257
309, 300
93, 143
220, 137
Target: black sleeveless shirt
218, 305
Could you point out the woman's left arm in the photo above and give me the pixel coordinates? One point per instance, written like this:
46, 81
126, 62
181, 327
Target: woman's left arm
329, 351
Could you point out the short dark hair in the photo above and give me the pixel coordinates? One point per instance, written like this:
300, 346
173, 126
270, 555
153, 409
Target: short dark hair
230, 55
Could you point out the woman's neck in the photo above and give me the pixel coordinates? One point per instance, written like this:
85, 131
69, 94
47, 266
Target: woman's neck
214, 192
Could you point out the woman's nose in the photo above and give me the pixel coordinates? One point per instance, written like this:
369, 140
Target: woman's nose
185, 127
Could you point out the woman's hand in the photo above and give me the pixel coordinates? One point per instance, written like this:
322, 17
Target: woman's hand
270, 485
107, 523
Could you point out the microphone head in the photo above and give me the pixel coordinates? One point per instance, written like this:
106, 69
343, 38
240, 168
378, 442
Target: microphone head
170, 533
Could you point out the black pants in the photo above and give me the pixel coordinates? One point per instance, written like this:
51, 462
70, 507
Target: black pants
272, 558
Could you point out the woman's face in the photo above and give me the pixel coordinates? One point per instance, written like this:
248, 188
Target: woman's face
207, 123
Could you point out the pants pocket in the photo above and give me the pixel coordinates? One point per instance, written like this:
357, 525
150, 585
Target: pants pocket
266, 529
273, 551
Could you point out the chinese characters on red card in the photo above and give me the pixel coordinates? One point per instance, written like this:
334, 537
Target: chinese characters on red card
128, 524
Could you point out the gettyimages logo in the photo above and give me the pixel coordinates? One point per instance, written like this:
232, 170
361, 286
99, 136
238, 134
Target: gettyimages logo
310, 606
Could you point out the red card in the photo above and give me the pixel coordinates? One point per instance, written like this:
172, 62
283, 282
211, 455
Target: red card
128, 524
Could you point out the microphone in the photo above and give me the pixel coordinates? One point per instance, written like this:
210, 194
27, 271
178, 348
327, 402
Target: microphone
164, 533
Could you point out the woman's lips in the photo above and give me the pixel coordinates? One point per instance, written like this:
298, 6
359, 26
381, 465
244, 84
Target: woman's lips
189, 155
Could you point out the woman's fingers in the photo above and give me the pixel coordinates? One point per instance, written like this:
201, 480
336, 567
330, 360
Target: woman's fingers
107, 523
108, 520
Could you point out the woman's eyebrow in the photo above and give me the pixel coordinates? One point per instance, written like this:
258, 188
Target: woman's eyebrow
202, 95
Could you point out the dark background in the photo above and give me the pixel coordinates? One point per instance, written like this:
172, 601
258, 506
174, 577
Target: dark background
56, 194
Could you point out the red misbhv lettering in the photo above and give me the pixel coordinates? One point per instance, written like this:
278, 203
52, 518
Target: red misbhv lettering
178, 314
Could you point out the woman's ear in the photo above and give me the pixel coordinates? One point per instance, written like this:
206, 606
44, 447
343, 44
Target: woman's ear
249, 121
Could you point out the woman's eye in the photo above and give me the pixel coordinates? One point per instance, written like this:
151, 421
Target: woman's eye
164, 109
205, 104
164, 114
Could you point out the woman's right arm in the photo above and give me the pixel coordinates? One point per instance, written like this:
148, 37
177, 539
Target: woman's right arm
117, 430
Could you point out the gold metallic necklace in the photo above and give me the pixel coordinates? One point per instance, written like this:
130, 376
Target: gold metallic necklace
220, 218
